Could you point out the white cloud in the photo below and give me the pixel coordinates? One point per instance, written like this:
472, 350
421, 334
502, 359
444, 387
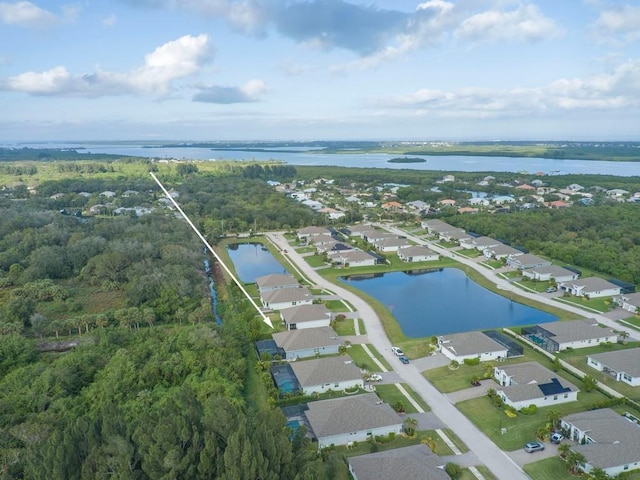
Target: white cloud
248, 93
26, 14
524, 24
173, 60
623, 21
618, 89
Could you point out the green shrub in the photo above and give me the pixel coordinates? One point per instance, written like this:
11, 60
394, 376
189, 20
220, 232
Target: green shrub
530, 410
472, 361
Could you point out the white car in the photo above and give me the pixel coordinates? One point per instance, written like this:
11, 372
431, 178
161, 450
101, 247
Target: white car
374, 377
397, 351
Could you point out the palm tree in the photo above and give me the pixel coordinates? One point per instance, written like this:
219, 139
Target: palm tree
624, 335
599, 474
410, 425
429, 442
563, 449
574, 461
554, 418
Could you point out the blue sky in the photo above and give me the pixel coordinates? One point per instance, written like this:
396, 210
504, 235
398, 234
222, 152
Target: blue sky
319, 69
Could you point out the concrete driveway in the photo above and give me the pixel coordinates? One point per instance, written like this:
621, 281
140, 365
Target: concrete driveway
521, 457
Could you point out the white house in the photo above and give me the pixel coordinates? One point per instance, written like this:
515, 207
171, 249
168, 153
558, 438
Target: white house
306, 316
417, 253
630, 302
480, 243
390, 244
501, 251
416, 462
344, 420
529, 383
527, 260
556, 336
607, 440
320, 375
550, 272
309, 342
276, 281
305, 233
286, 298
623, 365
460, 346
591, 287
353, 258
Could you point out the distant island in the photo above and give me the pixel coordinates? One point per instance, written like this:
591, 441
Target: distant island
406, 160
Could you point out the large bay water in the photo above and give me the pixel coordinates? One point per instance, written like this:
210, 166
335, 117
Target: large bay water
253, 260
460, 163
444, 301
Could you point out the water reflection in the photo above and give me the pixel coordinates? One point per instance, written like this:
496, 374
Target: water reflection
253, 260
445, 301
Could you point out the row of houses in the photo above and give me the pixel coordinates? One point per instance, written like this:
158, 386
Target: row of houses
340, 251
531, 266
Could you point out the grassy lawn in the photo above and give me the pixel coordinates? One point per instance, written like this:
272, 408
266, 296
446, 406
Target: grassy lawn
363, 330
315, 260
444, 244
578, 358
486, 473
344, 327
391, 395
601, 304
305, 250
336, 305
493, 263
417, 397
511, 274
447, 380
535, 285
631, 321
456, 440
523, 428
553, 468
362, 448
364, 361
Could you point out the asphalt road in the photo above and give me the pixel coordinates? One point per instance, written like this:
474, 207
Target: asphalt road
498, 462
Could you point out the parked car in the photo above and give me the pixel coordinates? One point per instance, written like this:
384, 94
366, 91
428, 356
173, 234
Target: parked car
556, 437
397, 351
404, 359
533, 447
551, 289
374, 377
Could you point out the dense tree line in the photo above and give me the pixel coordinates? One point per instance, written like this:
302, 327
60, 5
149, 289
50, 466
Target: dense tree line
602, 238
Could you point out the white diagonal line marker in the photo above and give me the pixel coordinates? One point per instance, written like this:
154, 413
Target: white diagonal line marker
265, 319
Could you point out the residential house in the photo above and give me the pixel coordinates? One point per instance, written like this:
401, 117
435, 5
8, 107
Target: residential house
334, 247
502, 199
391, 206
373, 236
480, 243
623, 365
591, 287
630, 302
390, 244
550, 272
344, 420
557, 336
454, 235
606, 439
463, 210
276, 281
321, 239
407, 463
470, 345
417, 253
309, 342
574, 187
435, 226
357, 230
529, 383
306, 316
353, 258
616, 193
448, 178
479, 201
447, 202
305, 233
286, 298
527, 260
320, 375
501, 251
108, 194
418, 205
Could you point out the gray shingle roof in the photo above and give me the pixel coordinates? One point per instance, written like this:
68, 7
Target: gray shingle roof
616, 438
593, 284
307, 338
277, 280
350, 414
531, 379
287, 295
416, 251
627, 361
574, 330
305, 313
320, 371
409, 463
553, 270
471, 343
504, 250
